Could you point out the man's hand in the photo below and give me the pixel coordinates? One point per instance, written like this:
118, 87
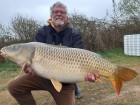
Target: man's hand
92, 77
29, 70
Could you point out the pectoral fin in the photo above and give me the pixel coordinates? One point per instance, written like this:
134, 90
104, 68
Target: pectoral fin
57, 85
23, 65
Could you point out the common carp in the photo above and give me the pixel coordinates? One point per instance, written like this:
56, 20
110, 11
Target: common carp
66, 65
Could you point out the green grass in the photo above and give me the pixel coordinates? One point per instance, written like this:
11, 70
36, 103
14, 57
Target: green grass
117, 56
9, 65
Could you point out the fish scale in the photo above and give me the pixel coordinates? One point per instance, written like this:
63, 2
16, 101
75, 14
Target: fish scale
61, 64
70, 56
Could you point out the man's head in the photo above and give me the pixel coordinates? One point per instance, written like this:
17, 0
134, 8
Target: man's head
59, 14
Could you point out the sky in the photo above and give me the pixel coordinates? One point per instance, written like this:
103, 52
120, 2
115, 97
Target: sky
40, 9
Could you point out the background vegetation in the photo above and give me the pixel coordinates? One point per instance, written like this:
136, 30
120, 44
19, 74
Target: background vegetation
98, 34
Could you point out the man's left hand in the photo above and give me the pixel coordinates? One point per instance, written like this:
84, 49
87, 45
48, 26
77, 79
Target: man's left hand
92, 77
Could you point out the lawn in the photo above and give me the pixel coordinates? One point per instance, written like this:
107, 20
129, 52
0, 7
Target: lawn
93, 93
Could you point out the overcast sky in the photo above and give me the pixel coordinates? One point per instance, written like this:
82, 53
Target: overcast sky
39, 9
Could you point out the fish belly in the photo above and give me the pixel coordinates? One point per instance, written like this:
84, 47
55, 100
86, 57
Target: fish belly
59, 73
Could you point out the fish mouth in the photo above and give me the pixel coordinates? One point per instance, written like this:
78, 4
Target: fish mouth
2, 53
3, 56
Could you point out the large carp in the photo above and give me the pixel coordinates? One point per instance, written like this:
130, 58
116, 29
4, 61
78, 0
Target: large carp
66, 65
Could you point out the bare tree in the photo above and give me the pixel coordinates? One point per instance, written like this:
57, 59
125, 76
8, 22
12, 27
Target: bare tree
24, 28
129, 8
97, 34
5, 35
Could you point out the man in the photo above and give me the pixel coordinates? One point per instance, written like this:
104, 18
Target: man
57, 32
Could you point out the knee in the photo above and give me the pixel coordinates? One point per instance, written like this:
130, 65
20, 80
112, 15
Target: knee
12, 86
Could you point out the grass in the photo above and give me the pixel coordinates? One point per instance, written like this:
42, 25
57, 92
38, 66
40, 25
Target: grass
93, 93
117, 56
8, 66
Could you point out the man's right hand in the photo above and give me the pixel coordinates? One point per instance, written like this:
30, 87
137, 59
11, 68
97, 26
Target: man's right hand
29, 70
92, 77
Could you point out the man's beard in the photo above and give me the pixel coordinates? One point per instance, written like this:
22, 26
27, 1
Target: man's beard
58, 23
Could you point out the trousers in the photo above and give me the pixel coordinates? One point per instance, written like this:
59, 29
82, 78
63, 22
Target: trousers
21, 87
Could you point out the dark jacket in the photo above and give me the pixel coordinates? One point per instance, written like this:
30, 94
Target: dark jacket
67, 37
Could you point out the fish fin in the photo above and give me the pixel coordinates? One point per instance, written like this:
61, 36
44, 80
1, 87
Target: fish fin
98, 79
23, 66
57, 85
117, 83
22, 69
122, 75
126, 74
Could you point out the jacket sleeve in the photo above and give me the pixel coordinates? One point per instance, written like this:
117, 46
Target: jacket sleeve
40, 35
77, 40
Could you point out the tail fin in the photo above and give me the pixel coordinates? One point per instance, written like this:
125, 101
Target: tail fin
121, 75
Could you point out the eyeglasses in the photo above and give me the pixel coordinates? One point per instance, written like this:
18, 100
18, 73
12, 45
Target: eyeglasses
61, 12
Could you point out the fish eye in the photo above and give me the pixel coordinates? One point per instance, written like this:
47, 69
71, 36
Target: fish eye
15, 47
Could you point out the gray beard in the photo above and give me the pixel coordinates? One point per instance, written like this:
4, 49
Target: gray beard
56, 23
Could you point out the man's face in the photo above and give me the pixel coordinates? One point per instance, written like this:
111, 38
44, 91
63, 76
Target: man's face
59, 16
